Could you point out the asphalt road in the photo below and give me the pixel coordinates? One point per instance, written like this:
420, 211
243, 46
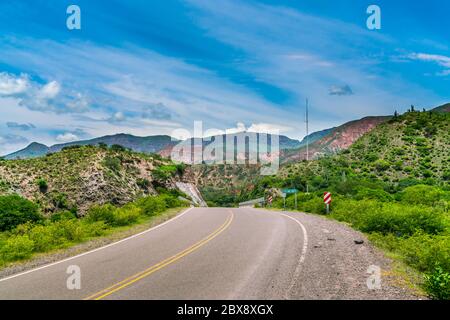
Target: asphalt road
218, 253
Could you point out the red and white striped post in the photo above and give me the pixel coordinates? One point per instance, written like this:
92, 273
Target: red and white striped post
327, 200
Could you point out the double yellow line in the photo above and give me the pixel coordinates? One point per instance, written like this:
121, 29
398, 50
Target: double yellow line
134, 278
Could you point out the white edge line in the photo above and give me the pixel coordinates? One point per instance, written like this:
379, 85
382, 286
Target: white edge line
97, 249
305, 237
302, 257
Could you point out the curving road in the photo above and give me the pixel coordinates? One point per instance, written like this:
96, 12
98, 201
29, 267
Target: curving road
218, 253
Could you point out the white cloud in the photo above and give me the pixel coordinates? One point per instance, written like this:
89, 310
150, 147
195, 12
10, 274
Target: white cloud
240, 127
41, 97
340, 90
67, 137
268, 128
50, 90
118, 117
440, 60
12, 85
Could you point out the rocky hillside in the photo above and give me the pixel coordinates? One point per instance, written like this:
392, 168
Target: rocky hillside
334, 140
413, 146
443, 108
77, 177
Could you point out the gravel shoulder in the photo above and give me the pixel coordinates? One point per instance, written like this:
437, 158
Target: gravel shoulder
337, 267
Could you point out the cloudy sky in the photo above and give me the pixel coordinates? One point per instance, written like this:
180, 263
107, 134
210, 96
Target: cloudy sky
151, 67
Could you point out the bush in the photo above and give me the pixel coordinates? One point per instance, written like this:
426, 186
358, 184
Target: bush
16, 248
44, 238
42, 184
118, 148
401, 220
63, 215
375, 194
126, 215
152, 205
15, 210
422, 194
143, 183
423, 251
60, 201
103, 213
112, 163
438, 284
171, 201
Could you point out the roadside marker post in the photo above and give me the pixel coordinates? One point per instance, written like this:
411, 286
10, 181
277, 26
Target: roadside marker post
289, 191
327, 200
284, 200
269, 200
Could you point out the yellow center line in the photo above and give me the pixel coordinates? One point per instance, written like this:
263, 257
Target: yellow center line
134, 278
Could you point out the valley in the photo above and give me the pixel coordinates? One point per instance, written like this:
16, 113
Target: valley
389, 176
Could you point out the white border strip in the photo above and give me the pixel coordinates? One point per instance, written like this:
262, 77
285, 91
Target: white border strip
302, 257
98, 249
305, 238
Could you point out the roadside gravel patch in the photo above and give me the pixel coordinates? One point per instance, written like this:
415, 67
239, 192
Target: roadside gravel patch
340, 261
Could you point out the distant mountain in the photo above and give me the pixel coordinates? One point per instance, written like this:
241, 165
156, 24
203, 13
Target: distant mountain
151, 144
443, 108
251, 140
34, 150
313, 137
162, 145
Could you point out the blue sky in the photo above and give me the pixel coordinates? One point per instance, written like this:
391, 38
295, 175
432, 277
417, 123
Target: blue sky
152, 67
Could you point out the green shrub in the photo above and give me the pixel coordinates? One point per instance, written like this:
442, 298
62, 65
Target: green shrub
382, 165
375, 194
401, 220
165, 172
118, 148
63, 215
424, 251
422, 194
112, 163
315, 205
152, 205
171, 201
143, 183
438, 284
42, 184
16, 248
126, 215
60, 201
103, 213
15, 210
44, 238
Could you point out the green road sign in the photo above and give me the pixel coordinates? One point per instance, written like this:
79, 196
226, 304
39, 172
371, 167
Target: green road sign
289, 191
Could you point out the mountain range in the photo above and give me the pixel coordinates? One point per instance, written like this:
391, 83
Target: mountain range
322, 142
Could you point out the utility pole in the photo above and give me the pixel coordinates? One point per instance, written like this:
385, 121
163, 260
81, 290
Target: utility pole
307, 131
307, 141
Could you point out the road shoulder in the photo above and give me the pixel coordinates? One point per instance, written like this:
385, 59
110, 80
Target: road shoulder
341, 260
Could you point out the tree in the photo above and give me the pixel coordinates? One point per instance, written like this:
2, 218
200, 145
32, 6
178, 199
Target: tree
15, 210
